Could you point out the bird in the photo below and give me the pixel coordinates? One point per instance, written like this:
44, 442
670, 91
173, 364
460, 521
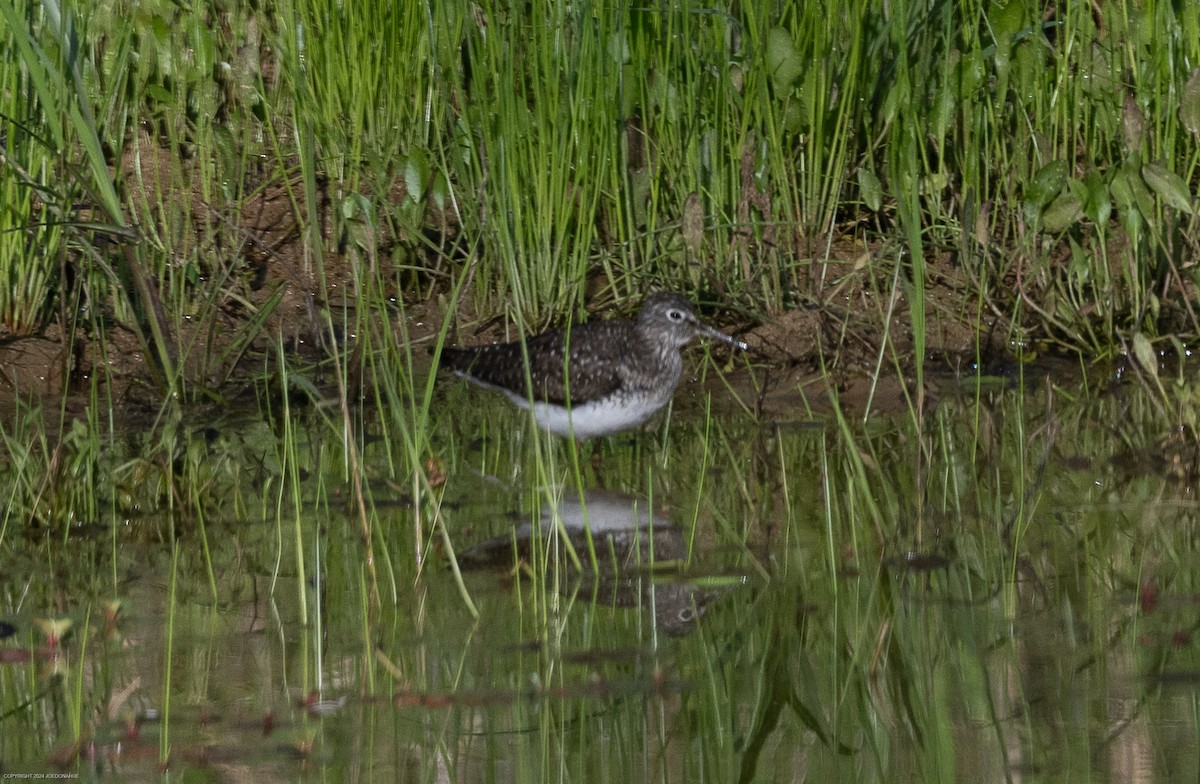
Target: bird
592, 379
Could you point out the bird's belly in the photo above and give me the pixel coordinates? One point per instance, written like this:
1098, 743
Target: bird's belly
595, 418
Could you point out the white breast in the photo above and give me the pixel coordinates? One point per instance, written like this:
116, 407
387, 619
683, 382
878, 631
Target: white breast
589, 420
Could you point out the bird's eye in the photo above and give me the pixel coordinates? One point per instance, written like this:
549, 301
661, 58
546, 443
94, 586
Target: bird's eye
675, 315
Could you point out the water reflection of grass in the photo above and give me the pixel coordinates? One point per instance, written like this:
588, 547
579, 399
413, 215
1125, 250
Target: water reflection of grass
924, 603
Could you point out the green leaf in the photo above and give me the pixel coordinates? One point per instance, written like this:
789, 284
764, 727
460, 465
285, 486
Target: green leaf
1047, 183
618, 47
942, 114
355, 205
441, 191
899, 96
416, 175
1129, 209
1062, 213
870, 189
1145, 354
1097, 204
102, 180
204, 50
1189, 103
792, 118
783, 61
160, 94
1121, 191
161, 29
973, 73
1169, 186
1130, 192
1006, 18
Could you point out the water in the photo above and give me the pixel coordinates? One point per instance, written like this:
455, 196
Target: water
1005, 591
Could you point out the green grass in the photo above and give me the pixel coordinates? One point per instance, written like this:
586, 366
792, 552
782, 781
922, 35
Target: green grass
538, 154
226, 185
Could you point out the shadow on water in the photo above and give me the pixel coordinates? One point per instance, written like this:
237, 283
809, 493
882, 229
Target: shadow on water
1005, 590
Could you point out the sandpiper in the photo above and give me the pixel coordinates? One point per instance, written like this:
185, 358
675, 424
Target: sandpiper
593, 379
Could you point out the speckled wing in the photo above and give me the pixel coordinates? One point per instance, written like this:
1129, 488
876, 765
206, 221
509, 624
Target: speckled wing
597, 349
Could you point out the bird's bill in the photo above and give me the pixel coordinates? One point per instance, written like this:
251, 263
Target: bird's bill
712, 333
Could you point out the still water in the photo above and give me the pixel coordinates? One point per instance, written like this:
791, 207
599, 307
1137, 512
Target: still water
1005, 589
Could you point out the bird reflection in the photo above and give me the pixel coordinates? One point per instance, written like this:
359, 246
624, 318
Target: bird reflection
639, 556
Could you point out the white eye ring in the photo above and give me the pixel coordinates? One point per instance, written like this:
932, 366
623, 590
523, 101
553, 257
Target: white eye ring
675, 315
